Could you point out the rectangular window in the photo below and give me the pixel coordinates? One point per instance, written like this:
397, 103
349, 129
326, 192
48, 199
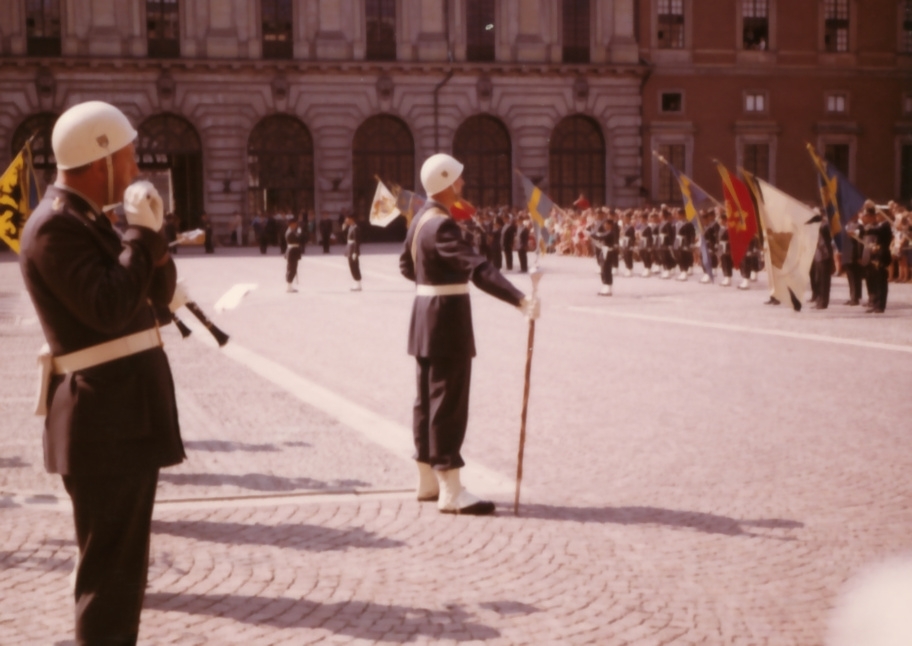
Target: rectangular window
42, 27
838, 155
905, 45
755, 102
278, 41
905, 173
669, 189
837, 103
836, 26
671, 24
576, 31
755, 27
480, 30
381, 30
756, 160
672, 102
163, 28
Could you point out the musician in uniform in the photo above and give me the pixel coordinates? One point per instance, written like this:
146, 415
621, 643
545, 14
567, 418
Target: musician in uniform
442, 261
646, 236
822, 266
294, 245
724, 250
111, 415
685, 235
353, 250
627, 241
523, 251
508, 237
666, 242
852, 247
711, 236
605, 239
877, 234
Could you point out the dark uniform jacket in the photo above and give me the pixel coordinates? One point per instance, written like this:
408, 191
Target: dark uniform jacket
353, 241
89, 285
507, 236
441, 326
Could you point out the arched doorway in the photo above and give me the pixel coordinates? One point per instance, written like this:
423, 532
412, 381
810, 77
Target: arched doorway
383, 147
280, 167
170, 154
39, 126
577, 161
482, 143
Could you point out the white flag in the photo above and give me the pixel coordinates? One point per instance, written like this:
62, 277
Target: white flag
791, 237
383, 209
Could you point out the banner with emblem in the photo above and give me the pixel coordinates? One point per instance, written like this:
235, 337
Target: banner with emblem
383, 208
19, 195
791, 230
408, 203
742, 220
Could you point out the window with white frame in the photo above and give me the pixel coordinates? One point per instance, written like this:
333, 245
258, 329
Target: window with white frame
755, 24
755, 102
670, 15
837, 103
836, 26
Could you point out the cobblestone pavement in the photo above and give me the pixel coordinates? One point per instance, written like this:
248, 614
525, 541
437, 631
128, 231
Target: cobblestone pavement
700, 468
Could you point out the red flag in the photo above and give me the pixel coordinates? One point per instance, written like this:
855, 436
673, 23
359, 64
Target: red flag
462, 209
581, 202
742, 219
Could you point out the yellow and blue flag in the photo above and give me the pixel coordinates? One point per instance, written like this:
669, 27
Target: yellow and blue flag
539, 206
19, 195
695, 198
841, 201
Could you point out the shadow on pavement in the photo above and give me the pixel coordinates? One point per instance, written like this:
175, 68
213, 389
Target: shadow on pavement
14, 462
222, 446
702, 522
396, 624
312, 538
258, 482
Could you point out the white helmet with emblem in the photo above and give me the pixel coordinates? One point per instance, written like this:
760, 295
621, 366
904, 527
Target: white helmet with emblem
90, 131
439, 172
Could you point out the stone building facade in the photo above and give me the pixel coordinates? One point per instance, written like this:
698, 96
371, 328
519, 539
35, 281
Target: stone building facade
290, 105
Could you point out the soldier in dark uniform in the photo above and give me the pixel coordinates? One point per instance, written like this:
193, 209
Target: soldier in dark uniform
822, 267
508, 237
606, 240
877, 235
111, 419
495, 247
851, 258
627, 241
665, 243
685, 235
725, 252
269, 232
326, 229
353, 250
294, 247
711, 235
523, 237
646, 236
442, 261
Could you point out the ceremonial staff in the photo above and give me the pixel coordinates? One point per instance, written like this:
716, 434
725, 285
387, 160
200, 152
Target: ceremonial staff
535, 275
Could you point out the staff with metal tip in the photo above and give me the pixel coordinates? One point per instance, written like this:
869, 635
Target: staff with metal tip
536, 276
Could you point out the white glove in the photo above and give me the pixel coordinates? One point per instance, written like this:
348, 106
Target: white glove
143, 205
530, 307
354, 257
181, 296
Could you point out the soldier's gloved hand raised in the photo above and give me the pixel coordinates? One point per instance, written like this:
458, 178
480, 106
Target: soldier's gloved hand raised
181, 296
143, 205
530, 307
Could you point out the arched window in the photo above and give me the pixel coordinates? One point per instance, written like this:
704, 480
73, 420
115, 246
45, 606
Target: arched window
482, 143
169, 151
280, 166
577, 161
40, 126
383, 147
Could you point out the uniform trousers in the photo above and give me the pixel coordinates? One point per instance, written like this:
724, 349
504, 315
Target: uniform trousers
113, 518
508, 258
628, 259
646, 257
726, 261
523, 260
292, 256
355, 267
685, 258
441, 411
878, 285
854, 274
607, 266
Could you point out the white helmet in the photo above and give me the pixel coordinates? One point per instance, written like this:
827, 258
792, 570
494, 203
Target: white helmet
89, 131
439, 172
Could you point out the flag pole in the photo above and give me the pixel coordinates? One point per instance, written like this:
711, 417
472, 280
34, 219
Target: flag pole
535, 275
707, 193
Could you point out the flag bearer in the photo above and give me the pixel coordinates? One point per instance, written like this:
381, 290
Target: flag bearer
442, 262
353, 250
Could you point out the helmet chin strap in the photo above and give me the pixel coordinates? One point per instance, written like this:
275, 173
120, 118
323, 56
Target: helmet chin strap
110, 165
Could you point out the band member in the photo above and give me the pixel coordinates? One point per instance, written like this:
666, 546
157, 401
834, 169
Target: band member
495, 244
852, 247
294, 244
724, 251
627, 242
711, 236
875, 257
606, 240
111, 419
646, 236
442, 261
507, 238
685, 235
523, 250
326, 229
353, 250
666, 243
822, 267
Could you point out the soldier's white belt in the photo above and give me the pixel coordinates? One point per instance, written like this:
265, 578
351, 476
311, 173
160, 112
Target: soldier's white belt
89, 357
292, 244
442, 290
